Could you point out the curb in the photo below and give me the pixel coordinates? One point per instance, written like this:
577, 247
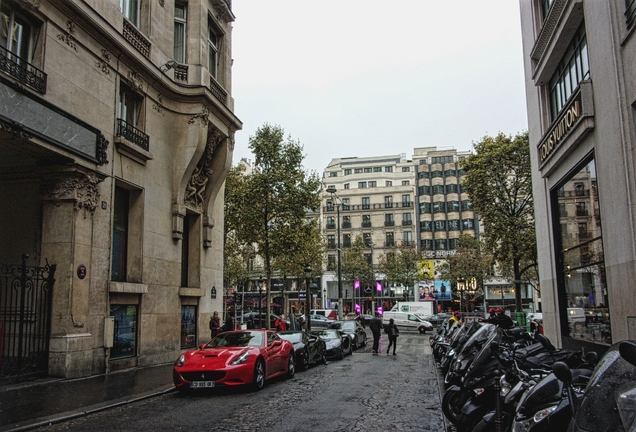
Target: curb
59, 418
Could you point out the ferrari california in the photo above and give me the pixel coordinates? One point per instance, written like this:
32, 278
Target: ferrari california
235, 358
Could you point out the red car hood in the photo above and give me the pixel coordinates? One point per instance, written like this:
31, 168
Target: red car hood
215, 357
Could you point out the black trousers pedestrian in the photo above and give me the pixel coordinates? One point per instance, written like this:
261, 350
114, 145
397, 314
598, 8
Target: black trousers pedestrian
376, 340
392, 343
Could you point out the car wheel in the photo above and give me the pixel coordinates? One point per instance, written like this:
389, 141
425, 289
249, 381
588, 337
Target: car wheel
291, 366
341, 355
259, 375
422, 330
354, 343
305, 361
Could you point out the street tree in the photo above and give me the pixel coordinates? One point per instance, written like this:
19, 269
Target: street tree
356, 266
276, 195
471, 263
498, 180
400, 264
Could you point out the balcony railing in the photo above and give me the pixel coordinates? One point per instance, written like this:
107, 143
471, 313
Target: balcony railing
388, 205
389, 244
389, 223
407, 222
218, 91
366, 206
22, 70
346, 224
581, 212
366, 224
133, 134
407, 203
331, 226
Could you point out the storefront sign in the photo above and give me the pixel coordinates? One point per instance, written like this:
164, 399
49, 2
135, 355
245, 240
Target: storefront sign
561, 128
439, 253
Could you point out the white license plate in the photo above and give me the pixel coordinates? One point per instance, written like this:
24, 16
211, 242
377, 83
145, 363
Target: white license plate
201, 384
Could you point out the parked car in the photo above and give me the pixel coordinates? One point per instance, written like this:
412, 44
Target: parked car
354, 330
337, 344
255, 321
408, 321
437, 319
308, 348
235, 358
319, 321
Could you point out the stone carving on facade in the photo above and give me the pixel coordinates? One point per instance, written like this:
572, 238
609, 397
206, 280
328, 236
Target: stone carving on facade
15, 129
158, 106
102, 146
135, 81
35, 4
202, 116
81, 188
68, 37
222, 10
195, 190
231, 141
103, 63
162, 3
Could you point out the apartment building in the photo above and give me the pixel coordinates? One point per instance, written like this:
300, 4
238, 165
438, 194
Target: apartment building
389, 200
581, 96
116, 134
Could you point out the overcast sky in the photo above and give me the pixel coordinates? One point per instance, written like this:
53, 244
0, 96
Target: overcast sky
371, 78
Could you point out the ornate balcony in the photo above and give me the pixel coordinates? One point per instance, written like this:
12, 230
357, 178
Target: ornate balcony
22, 70
133, 134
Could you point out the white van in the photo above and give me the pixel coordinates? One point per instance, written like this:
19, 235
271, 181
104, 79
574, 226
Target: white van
576, 318
407, 321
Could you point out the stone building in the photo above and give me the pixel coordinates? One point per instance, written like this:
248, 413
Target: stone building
116, 134
579, 57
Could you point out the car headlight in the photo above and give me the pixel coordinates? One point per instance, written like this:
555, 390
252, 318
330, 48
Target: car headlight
241, 359
180, 361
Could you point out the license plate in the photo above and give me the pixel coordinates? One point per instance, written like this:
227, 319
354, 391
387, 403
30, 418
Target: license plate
201, 384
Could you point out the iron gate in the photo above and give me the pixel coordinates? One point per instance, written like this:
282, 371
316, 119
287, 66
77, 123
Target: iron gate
25, 319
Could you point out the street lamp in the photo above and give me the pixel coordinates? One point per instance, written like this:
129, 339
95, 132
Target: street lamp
260, 302
332, 191
307, 306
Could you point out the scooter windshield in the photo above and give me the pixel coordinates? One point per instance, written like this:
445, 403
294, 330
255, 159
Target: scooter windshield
480, 336
609, 403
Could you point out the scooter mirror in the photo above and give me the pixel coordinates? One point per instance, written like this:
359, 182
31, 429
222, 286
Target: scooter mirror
627, 349
562, 372
591, 358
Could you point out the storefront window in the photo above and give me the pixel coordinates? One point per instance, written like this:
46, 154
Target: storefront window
583, 299
188, 326
125, 340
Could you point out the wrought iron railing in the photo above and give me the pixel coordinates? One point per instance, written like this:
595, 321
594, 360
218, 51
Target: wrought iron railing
133, 134
22, 70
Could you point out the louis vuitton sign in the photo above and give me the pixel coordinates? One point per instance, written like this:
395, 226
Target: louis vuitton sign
560, 129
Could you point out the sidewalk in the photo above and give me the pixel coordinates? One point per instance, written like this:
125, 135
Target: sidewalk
29, 405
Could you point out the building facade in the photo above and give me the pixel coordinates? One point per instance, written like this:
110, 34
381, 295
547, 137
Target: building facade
390, 200
579, 57
116, 134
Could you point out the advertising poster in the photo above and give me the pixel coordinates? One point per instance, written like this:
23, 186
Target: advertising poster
431, 286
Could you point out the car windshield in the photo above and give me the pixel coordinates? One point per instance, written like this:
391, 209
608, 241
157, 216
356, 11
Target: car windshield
327, 334
292, 337
237, 339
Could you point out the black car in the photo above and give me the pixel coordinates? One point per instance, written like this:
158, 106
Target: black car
354, 330
308, 348
252, 319
437, 319
338, 344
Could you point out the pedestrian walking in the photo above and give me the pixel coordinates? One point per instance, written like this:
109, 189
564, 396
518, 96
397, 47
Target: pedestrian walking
392, 330
376, 326
229, 324
215, 324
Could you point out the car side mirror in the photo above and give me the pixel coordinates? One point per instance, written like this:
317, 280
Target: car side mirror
202, 346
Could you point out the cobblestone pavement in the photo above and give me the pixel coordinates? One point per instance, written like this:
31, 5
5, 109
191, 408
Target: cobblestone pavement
363, 392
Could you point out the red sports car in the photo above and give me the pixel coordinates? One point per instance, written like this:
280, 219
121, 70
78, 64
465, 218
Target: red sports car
235, 358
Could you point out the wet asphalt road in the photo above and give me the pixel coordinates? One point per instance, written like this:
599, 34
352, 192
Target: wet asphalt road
363, 392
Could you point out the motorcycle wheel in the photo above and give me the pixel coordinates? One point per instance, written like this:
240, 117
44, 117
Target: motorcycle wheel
452, 404
467, 423
484, 426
